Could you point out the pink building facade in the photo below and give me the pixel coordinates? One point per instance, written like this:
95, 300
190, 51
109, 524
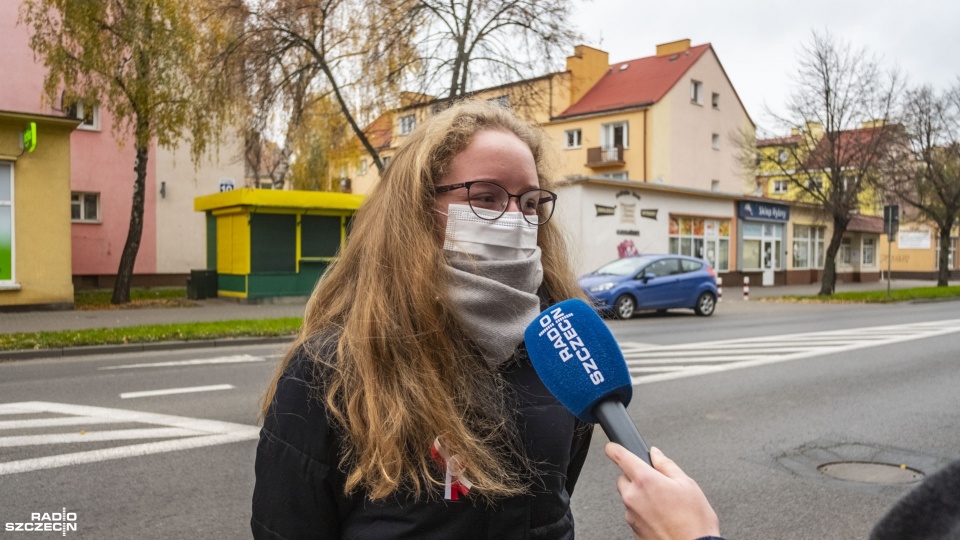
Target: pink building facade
101, 168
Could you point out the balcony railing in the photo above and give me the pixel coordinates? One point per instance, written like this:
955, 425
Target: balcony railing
604, 157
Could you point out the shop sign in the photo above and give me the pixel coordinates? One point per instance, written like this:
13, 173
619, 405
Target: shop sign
913, 240
764, 211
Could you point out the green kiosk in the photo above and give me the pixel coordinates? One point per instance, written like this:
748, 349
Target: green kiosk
265, 244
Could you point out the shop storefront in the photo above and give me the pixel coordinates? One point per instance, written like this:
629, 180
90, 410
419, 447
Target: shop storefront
611, 219
761, 241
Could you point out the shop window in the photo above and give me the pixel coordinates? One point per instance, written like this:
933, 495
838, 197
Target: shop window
762, 246
273, 243
6, 222
869, 256
85, 207
707, 239
319, 236
846, 252
808, 246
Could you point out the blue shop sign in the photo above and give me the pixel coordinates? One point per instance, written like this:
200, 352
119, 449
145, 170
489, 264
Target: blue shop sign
764, 211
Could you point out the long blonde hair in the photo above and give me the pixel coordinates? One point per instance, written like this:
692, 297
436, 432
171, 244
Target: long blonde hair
404, 370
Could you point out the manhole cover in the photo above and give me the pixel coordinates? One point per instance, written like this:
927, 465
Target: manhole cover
873, 473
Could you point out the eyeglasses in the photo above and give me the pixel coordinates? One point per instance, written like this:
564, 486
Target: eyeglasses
536, 205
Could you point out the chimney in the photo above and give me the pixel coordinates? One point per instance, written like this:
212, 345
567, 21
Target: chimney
586, 67
674, 47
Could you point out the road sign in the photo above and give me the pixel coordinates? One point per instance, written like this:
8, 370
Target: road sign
891, 220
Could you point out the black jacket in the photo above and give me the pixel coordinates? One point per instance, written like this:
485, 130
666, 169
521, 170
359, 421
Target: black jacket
299, 488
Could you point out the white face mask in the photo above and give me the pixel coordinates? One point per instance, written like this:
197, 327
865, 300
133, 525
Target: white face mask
508, 238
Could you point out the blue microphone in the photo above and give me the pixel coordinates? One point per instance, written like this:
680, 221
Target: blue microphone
581, 364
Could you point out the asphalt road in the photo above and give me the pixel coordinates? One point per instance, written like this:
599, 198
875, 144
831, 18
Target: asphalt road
751, 433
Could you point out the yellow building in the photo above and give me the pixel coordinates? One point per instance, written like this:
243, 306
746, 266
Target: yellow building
663, 119
35, 268
916, 252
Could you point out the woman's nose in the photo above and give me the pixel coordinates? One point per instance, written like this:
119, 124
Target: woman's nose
513, 204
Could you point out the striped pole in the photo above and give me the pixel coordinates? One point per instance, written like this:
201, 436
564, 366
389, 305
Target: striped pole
746, 288
719, 289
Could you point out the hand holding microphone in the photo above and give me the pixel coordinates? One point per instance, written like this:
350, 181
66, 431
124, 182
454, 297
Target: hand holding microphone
581, 364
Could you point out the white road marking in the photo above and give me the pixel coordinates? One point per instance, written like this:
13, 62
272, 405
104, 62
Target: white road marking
169, 391
650, 364
96, 436
190, 433
238, 359
52, 422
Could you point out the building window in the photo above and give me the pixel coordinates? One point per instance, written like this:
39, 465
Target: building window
361, 167
614, 135
386, 161
503, 101
407, 124
714, 185
708, 239
715, 141
85, 207
571, 138
620, 175
715, 100
6, 222
815, 184
781, 186
808, 249
869, 252
696, 92
90, 116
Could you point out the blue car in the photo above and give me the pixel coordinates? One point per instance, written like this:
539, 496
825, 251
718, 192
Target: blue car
645, 282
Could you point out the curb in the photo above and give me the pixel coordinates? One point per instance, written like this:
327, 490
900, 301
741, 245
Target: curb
88, 350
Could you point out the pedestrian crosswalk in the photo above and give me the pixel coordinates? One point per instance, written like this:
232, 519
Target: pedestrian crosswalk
653, 363
157, 433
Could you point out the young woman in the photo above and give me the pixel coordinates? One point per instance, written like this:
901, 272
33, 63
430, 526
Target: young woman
408, 407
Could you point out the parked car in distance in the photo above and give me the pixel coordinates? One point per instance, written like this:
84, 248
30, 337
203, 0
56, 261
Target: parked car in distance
652, 282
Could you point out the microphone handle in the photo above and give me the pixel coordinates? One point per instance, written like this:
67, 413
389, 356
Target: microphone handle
618, 426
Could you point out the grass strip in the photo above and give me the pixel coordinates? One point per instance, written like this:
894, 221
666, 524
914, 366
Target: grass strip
151, 333
99, 299
881, 297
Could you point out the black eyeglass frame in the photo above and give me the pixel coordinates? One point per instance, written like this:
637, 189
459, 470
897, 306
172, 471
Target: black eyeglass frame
552, 197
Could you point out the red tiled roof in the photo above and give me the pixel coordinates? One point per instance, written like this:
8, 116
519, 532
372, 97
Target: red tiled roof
776, 141
643, 81
380, 131
851, 143
867, 224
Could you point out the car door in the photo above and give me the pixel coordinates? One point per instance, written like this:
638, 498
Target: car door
691, 277
657, 285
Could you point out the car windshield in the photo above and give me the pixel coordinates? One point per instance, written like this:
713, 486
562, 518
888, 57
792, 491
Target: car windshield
627, 266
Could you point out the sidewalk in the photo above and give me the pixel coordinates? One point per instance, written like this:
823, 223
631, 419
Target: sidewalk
224, 310
208, 310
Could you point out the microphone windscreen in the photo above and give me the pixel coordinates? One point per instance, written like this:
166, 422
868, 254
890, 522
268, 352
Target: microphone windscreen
577, 358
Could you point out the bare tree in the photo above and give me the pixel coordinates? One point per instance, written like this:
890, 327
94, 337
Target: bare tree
841, 115
926, 173
496, 40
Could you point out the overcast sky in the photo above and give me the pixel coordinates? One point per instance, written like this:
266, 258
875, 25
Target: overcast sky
757, 41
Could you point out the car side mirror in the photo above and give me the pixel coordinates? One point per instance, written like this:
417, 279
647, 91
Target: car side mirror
646, 276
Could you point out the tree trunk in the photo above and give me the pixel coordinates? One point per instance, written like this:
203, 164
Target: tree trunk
943, 271
828, 285
121, 287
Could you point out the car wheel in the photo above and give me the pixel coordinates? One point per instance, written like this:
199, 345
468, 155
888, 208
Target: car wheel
625, 306
706, 304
